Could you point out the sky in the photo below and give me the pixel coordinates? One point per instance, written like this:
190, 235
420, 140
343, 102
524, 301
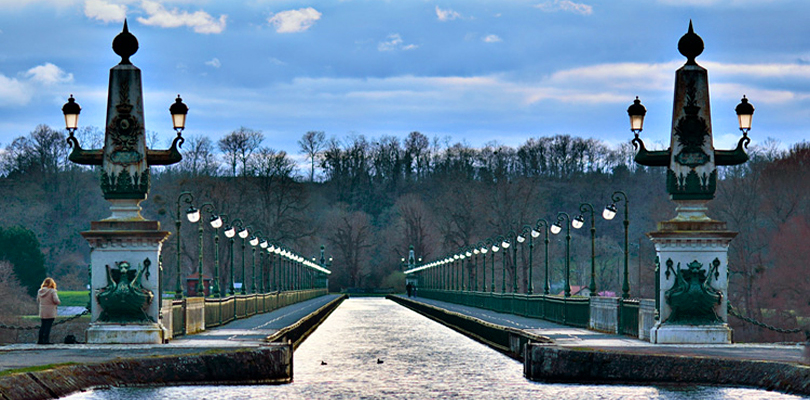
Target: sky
459, 70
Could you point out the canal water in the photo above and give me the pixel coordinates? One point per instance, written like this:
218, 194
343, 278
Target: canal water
371, 348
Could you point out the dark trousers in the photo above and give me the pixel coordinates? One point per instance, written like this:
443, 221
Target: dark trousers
45, 331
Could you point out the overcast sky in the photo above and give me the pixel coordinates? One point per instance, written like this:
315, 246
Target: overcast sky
473, 71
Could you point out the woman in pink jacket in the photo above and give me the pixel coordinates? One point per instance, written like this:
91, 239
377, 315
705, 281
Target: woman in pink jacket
48, 300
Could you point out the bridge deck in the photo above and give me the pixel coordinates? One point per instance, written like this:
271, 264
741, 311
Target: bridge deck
248, 332
587, 339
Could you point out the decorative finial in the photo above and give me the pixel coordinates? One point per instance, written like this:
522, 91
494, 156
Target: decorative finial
125, 44
690, 45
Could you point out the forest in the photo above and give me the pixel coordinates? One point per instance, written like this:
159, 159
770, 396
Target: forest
367, 199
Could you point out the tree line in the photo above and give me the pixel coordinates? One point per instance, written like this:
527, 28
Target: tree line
367, 199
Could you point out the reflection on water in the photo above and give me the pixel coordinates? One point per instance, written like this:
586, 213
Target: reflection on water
375, 349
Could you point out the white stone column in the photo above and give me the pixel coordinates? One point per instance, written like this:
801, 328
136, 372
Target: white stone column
112, 242
678, 243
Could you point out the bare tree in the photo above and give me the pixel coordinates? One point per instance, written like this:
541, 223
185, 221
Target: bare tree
238, 146
198, 157
312, 143
351, 236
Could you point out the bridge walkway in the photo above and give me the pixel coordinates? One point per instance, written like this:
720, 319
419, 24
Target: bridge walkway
580, 338
242, 333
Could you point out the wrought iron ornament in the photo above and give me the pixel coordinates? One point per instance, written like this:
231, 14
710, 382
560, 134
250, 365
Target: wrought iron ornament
692, 298
691, 160
124, 299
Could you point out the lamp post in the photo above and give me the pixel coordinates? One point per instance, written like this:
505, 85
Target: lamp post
230, 232
254, 242
263, 245
543, 223
577, 223
274, 267
527, 231
609, 213
324, 264
187, 198
454, 272
194, 217
468, 254
216, 222
484, 250
555, 229
243, 233
504, 245
494, 248
476, 251
691, 159
513, 237
500, 240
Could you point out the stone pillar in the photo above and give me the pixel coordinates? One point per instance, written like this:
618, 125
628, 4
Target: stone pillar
138, 243
693, 296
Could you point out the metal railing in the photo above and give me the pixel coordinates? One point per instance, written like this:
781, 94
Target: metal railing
220, 311
573, 311
628, 317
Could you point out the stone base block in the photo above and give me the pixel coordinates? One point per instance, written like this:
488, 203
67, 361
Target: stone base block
125, 334
690, 334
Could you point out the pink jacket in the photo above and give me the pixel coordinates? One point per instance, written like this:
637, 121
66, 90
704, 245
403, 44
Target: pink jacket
48, 300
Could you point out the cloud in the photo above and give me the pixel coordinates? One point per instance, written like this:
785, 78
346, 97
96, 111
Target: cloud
104, 11
566, 5
446, 15
492, 39
214, 62
13, 92
293, 21
394, 42
200, 21
48, 74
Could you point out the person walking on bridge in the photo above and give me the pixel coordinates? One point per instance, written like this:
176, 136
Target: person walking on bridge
48, 300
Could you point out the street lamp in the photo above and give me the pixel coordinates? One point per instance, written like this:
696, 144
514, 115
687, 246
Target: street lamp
263, 245
500, 240
577, 223
555, 229
484, 250
609, 213
71, 111
745, 112
468, 254
216, 222
636, 111
128, 156
476, 252
191, 213
543, 223
527, 232
273, 250
691, 160
194, 217
254, 242
513, 237
230, 233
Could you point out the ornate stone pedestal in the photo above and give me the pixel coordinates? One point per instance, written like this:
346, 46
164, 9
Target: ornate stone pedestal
692, 250
136, 242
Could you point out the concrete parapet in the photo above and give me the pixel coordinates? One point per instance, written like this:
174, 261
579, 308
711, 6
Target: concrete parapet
270, 364
166, 319
646, 318
604, 314
195, 315
297, 332
508, 340
555, 364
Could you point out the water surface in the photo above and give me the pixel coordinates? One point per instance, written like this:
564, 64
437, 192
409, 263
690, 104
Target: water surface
376, 349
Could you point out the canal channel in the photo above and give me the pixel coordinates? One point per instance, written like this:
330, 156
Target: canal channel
372, 348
